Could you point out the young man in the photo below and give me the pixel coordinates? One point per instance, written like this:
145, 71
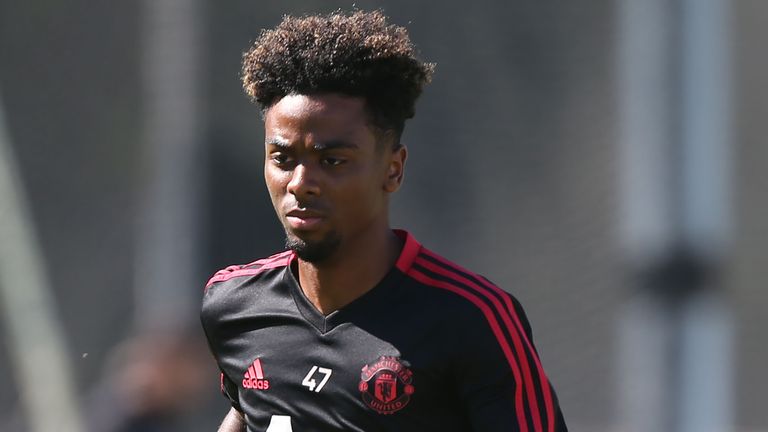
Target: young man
357, 327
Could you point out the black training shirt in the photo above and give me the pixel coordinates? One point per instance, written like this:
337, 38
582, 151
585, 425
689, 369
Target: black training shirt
432, 347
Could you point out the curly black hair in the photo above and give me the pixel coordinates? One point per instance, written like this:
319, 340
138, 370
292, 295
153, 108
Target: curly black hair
358, 54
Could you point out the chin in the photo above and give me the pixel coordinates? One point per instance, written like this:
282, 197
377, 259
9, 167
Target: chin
314, 251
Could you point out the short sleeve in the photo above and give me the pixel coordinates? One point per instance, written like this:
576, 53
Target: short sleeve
501, 381
229, 390
210, 311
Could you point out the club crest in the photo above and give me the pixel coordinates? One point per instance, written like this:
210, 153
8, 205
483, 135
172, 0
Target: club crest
387, 385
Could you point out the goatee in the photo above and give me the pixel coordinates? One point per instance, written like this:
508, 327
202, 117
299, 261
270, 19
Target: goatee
314, 252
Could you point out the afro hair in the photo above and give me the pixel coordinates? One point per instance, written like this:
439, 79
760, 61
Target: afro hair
358, 54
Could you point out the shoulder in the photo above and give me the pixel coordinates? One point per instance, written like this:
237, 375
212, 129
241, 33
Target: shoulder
254, 268
481, 303
235, 287
495, 362
492, 336
432, 270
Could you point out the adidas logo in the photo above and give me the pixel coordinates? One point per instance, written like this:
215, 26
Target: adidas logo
254, 377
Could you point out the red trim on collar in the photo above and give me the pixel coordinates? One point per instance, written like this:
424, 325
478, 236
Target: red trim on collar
411, 248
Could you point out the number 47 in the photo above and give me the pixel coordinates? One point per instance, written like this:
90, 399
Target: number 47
282, 423
310, 382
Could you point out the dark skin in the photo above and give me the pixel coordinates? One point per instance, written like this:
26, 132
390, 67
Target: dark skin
330, 173
233, 422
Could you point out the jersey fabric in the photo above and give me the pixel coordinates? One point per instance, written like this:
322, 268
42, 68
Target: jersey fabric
432, 347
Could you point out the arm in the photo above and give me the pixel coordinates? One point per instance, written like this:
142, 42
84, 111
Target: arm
209, 318
233, 422
500, 377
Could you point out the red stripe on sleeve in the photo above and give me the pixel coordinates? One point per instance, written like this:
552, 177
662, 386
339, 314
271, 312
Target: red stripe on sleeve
270, 258
484, 289
494, 327
280, 260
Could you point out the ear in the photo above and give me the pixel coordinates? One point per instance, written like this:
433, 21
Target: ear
395, 169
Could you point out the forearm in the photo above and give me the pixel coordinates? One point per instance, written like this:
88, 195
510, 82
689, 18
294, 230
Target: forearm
233, 422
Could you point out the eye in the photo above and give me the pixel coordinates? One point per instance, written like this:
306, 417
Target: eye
332, 161
279, 159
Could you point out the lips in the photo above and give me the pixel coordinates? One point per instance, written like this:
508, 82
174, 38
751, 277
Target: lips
304, 219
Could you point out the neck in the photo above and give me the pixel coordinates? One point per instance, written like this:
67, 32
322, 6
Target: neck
352, 271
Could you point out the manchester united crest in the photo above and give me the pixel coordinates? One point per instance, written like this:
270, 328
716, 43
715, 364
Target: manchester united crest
386, 385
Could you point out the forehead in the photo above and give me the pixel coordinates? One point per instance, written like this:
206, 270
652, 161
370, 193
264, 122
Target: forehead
324, 116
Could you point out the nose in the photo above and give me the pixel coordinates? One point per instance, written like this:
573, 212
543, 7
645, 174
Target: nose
303, 182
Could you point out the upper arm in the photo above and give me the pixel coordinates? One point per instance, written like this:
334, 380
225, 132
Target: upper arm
501, 380
210, 319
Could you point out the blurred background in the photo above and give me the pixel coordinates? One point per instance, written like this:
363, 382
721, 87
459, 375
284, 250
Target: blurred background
604, 161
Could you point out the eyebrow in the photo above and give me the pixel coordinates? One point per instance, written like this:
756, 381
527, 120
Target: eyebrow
334, 144
320, 146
